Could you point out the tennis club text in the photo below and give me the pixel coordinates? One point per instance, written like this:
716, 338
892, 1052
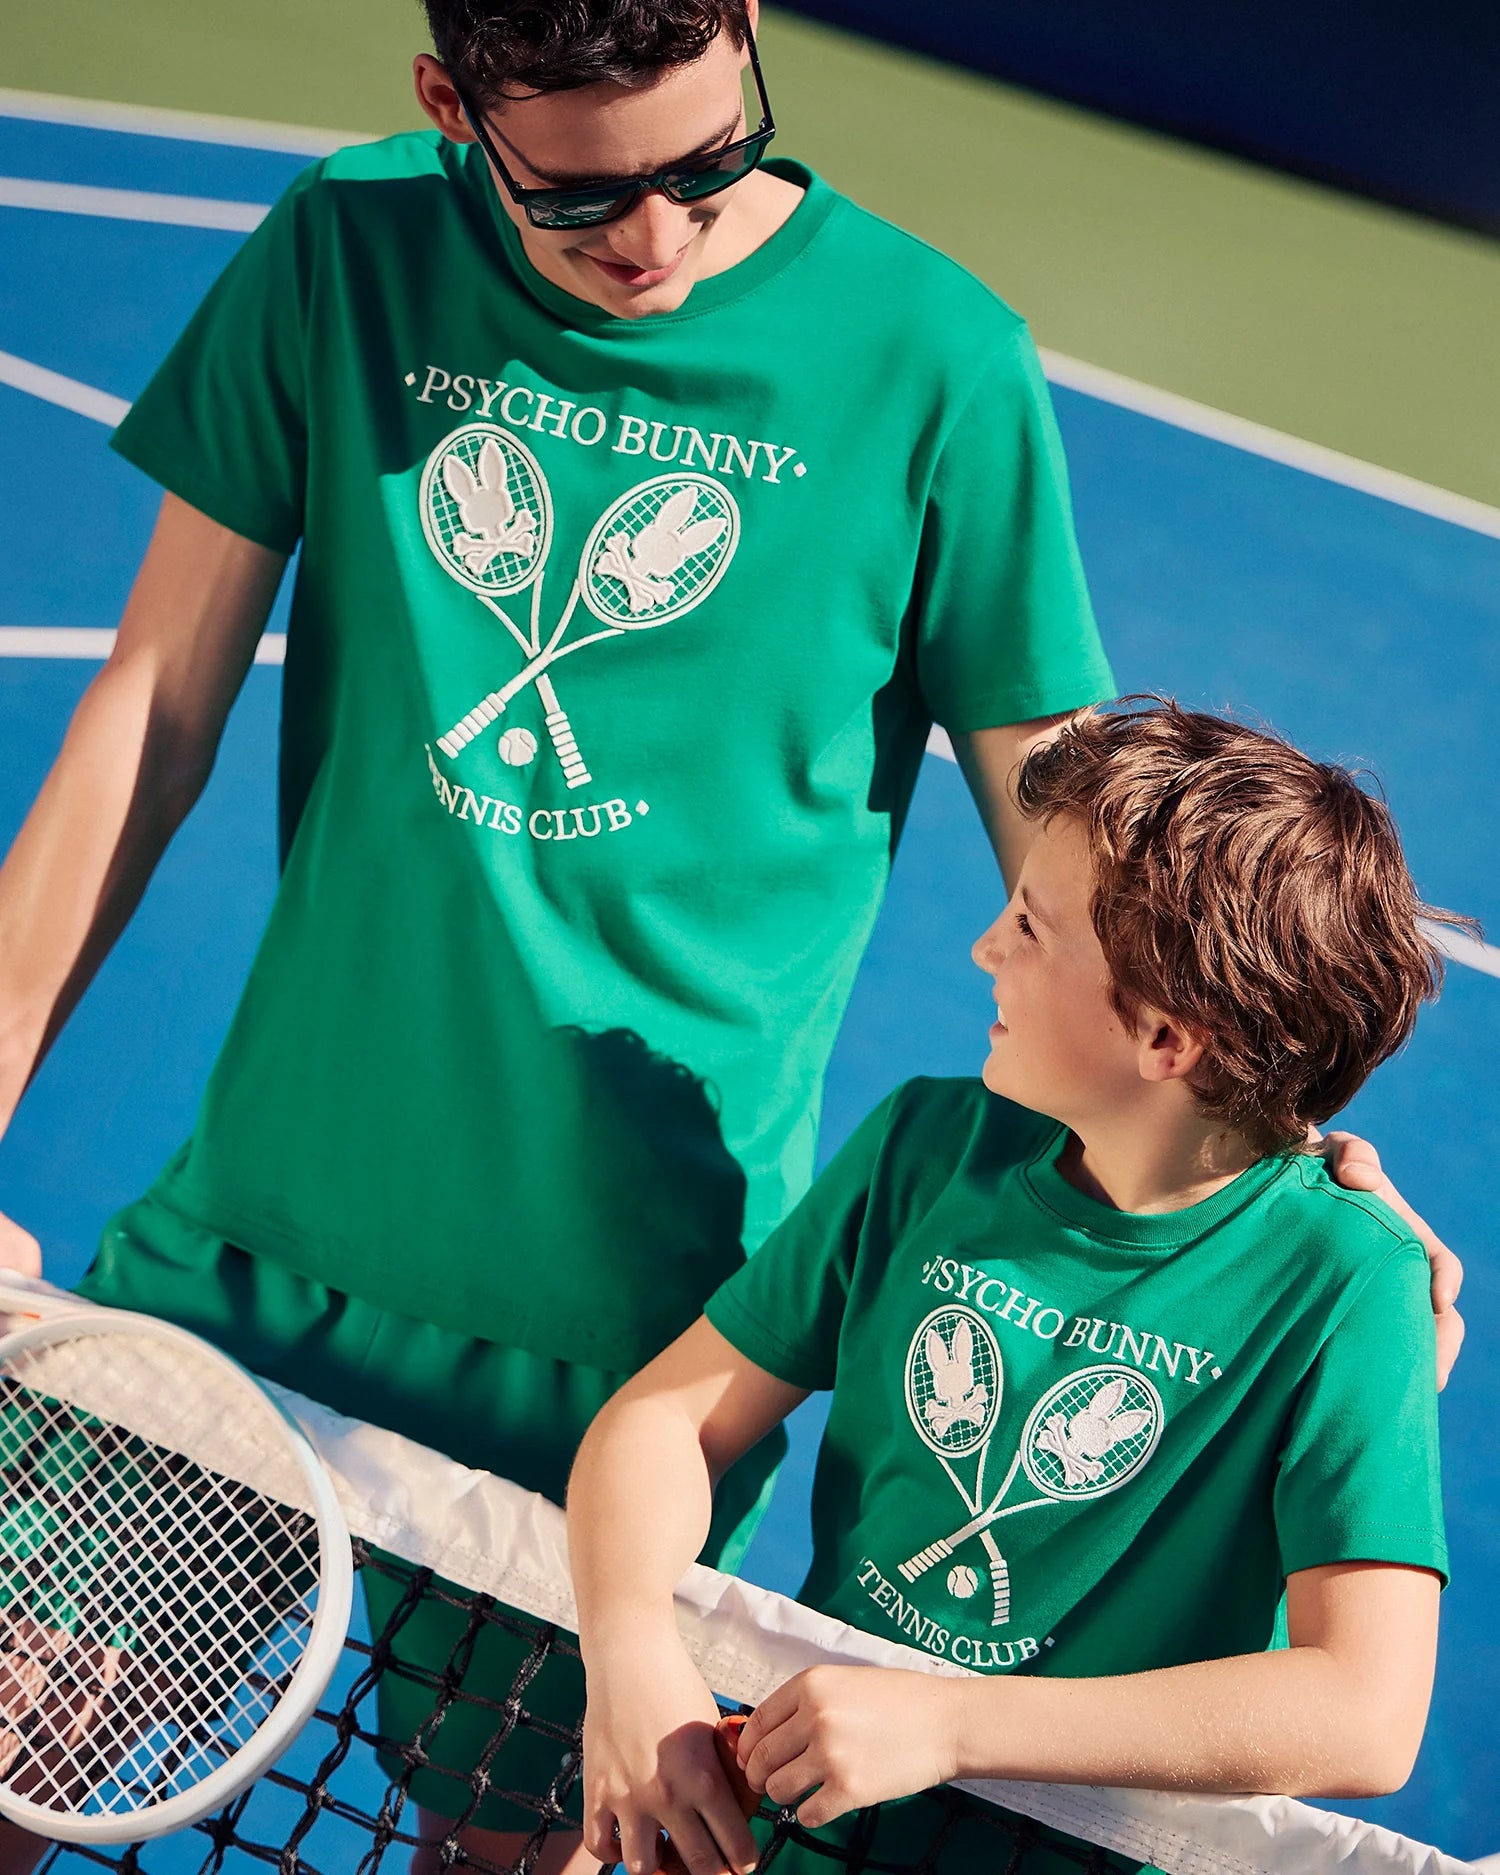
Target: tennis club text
523, 408
982, 1289
967, 1649
542, 823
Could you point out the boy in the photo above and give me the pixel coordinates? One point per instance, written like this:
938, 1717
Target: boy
1112, 1358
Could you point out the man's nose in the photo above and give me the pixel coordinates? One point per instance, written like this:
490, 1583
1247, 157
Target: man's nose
654, 232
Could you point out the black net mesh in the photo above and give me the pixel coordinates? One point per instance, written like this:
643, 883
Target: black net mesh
345, 1798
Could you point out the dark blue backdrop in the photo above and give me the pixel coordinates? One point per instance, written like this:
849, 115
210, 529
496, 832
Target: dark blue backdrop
1395, 100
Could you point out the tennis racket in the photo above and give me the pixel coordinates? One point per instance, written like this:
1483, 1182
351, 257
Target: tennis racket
954, 1384
1089, 1434
652, 556
175, 1578
487, 516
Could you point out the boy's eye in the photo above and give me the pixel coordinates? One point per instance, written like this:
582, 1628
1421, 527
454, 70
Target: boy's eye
1023, 925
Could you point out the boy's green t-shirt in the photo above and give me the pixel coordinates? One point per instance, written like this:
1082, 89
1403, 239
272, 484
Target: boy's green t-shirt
534, 1040
1167, 1414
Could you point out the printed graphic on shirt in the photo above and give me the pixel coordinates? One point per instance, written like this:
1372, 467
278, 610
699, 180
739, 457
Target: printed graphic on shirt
657, 552
1088, 1435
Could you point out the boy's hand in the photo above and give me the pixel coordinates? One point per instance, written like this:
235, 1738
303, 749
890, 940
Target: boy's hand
858, 1735
649, 1765
1355, 1163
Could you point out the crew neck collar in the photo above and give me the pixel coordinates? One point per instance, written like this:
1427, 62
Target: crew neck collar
708, 296
1159, 1230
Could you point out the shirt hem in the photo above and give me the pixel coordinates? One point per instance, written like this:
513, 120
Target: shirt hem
1022, 706
752, 1339
456, 1309
206, 500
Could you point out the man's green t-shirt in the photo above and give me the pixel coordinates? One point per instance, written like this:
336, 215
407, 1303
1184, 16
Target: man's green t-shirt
1076, 1441
613, 651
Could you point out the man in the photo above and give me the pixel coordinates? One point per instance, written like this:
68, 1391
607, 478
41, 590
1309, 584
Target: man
652, 501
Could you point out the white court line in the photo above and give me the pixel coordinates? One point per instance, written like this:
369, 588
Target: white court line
85, 642
1258, 439
244, 133
53, 388
178, 211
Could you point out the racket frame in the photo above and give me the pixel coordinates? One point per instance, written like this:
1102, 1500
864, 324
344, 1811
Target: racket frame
330, 1622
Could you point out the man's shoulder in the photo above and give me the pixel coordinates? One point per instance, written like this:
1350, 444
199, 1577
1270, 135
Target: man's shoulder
917, 282
400, 177
411, 154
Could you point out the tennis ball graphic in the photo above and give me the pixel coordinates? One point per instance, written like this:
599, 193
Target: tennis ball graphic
517, 747
962, 1581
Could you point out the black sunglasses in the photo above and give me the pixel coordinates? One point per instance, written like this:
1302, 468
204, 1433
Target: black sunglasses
591, 204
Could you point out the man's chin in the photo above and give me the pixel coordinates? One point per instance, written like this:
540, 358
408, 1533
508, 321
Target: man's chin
638, 298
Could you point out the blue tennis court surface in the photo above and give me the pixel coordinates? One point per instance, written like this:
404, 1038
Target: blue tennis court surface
1365, 631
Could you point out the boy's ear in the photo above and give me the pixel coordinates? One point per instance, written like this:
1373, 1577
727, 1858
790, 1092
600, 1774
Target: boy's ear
1166, 1050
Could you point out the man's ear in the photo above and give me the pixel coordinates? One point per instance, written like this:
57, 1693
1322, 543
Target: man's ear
1166, 1049
438, 99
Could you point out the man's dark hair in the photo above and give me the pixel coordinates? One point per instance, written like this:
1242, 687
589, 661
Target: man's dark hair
1255, 894
494, 51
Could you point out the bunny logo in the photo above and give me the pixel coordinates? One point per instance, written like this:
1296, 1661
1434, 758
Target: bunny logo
486, 509
954, 1381
1091, 1432
660, 550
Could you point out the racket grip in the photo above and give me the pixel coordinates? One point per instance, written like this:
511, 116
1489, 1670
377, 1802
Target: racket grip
726, 1739
479, 718
1000, 1583
575, 769
919, 1564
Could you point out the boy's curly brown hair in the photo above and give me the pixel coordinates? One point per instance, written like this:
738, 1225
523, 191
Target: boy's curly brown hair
495, 49
1259, 897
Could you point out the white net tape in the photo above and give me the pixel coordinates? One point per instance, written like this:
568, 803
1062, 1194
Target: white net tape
494, 1538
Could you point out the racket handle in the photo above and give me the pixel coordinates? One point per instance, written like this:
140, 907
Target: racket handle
726, 1738
919, 1564
1000, 1583
575, 769
479, 718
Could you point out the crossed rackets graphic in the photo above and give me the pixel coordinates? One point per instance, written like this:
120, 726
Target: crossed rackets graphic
654, 554
1088, 1434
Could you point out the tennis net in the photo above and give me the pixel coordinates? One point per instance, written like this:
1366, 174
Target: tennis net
490, 1560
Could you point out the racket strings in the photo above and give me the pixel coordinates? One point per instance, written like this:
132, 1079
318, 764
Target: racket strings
186, 1593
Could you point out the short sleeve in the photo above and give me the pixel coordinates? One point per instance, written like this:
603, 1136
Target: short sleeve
223, 422
1359, 1476
1006, 631
783, 1308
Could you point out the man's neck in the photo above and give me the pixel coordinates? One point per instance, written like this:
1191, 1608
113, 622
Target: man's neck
1148, 1162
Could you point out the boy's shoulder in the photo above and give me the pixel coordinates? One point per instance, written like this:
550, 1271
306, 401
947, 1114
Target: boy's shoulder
1347, 1235
941, 1124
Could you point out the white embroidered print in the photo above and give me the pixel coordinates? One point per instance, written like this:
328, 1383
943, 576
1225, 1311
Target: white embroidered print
656, 552
954, 1383
1090, 1433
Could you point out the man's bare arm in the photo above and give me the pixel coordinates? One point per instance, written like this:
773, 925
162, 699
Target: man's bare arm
136, 756
988, 759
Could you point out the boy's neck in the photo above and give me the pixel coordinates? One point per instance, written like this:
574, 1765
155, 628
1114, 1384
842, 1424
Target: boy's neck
1148, 1162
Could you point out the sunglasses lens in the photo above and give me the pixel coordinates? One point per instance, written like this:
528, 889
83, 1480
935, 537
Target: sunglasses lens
691, 185
584, 211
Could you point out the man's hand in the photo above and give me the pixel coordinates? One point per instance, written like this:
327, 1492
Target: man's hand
19, 1250
856, 1735
649, 1765
1356, 1164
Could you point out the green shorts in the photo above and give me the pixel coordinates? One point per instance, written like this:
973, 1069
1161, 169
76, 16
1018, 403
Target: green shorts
495, 1408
